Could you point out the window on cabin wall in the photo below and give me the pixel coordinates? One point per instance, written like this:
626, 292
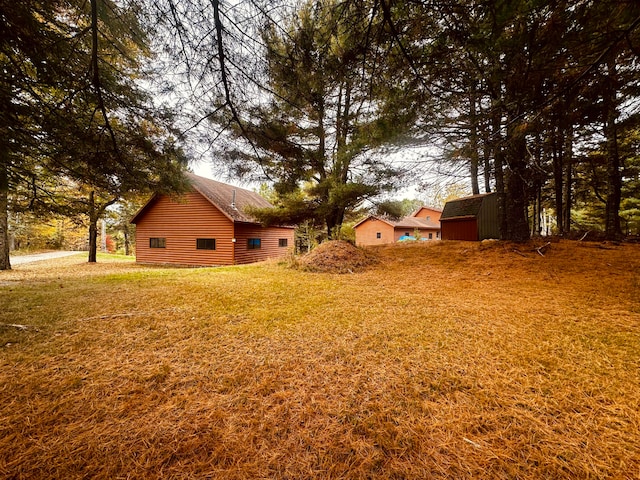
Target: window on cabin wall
205, 243
430, 236
156, 242
378, 234
254, 244
283, 242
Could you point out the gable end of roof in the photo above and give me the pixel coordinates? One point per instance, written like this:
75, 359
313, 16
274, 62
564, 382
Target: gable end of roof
230, 200
433, 209
373, 217
143, 209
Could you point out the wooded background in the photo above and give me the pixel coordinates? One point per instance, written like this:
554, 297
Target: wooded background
103, 102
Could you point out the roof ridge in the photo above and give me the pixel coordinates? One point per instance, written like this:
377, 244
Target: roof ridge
231, 200
218, 182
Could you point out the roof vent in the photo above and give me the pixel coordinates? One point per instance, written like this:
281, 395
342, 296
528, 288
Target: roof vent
233, 199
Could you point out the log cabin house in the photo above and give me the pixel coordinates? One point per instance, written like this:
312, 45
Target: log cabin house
207, 226
375, 230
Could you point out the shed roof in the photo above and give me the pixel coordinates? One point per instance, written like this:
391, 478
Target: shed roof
222, 196
468, 207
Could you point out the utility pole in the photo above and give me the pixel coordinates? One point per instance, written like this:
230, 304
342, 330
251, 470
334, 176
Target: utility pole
103, 236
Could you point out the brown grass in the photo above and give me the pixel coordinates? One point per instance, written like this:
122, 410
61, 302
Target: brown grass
445, 360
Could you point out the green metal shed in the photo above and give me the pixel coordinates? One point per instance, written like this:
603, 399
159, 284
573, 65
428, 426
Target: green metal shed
471, 218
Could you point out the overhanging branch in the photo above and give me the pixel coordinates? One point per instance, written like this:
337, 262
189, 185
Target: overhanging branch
95, 71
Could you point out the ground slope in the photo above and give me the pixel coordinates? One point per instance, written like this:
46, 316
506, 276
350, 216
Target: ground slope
443, 360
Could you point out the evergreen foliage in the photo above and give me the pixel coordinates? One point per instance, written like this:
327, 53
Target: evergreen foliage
538, 101
315, 131
525, 90
520, 93
78, 132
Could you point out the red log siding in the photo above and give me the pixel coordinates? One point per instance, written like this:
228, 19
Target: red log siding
460, 229
269, 242
366, 233
181, 222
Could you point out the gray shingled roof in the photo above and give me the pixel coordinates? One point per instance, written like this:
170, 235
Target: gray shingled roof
222, 195
406, 222
464, 207
413, 222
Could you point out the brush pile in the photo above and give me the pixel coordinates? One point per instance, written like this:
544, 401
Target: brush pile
336, 256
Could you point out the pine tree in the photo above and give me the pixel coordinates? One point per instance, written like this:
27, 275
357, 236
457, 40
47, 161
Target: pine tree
81, 116
324, 115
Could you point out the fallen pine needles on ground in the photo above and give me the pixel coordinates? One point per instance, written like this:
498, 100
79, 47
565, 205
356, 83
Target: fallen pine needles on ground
441, 360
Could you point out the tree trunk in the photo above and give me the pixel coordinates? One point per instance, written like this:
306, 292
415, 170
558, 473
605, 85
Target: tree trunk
5, 263
331, 228
127, 245
498, 170
103, 236
473, 141
516, 201
475, 187
568, 180
536, 229
93, 229
613, 229
558, 178
334, 222
538, 181
95, 212
487, 166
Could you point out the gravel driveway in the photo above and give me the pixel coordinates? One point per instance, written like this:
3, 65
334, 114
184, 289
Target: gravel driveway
39, 256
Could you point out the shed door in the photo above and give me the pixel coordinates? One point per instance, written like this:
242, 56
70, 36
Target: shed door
463, 229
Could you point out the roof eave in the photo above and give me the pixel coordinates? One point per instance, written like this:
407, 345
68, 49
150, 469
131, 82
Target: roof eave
373, 217
461, 217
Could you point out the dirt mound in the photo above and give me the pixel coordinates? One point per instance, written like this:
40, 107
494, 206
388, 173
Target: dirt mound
336, 256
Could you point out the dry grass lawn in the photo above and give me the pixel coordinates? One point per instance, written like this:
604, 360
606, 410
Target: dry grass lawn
442, 360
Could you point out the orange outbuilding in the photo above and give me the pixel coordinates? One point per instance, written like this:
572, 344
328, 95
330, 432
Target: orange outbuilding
207, 226
375, 230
